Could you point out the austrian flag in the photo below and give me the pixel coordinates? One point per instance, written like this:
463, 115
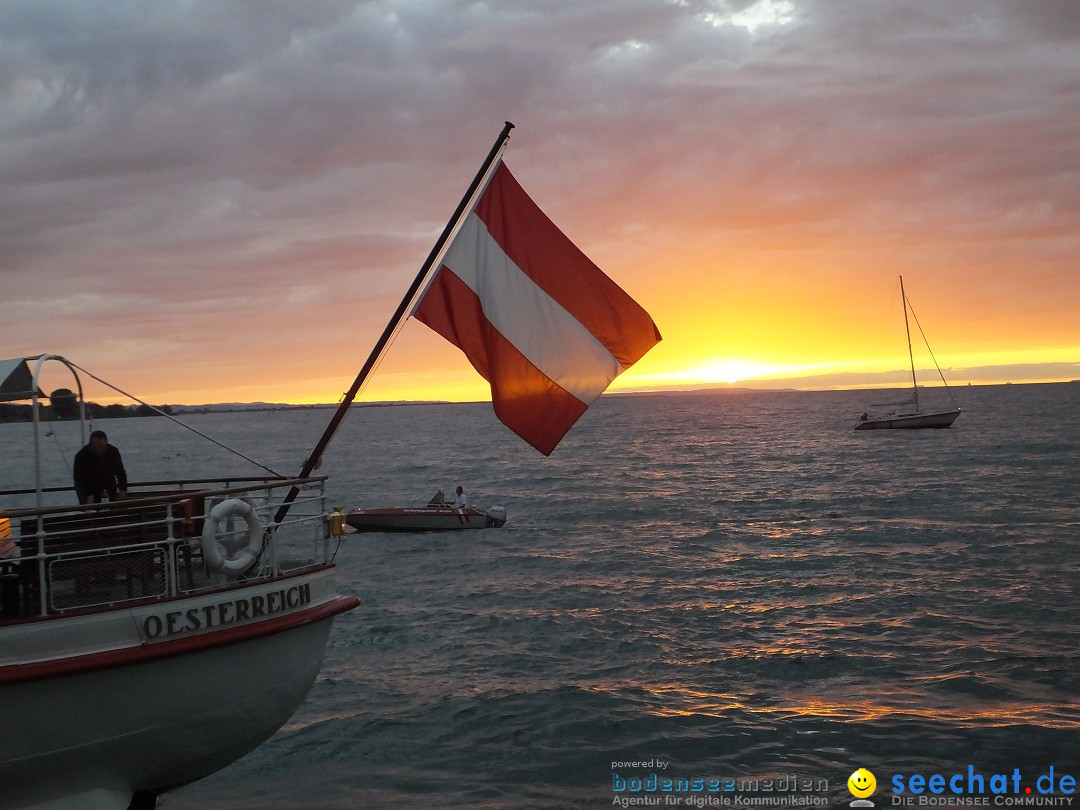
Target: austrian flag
533, 314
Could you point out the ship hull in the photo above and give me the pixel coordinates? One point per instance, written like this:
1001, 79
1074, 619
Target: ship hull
146, 699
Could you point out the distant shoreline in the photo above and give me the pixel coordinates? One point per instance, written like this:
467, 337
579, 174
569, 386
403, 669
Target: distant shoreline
242, 407
21, 413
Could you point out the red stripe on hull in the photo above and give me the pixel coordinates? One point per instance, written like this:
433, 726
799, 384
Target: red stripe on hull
17, 673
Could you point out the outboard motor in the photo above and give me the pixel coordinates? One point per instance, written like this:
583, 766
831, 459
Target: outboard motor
496, 516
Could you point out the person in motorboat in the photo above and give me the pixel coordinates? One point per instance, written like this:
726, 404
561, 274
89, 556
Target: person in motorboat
99, 471
462, 500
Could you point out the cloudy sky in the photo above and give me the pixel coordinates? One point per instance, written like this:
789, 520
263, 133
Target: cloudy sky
214, 201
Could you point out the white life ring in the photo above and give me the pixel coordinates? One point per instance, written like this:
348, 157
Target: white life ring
214, 550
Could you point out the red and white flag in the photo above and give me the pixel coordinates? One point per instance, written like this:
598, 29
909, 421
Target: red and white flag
533, 314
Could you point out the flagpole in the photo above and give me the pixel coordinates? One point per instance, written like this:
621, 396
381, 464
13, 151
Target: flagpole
312, 461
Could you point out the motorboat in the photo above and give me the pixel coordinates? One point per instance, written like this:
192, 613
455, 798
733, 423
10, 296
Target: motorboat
437, 516
149, 642
425, 519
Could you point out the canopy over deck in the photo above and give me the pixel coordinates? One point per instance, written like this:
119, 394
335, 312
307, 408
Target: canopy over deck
16, 381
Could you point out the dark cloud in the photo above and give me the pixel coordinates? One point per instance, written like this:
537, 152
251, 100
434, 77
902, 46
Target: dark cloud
164, 163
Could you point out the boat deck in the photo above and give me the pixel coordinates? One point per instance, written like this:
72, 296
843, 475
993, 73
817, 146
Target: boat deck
148, 547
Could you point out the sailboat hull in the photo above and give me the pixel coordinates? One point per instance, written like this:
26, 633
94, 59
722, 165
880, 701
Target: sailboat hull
910, 421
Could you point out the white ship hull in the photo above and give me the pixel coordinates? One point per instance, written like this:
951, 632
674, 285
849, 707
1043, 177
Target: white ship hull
102, 707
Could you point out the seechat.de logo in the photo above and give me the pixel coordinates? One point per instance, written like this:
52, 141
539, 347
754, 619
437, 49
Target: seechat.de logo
862, 784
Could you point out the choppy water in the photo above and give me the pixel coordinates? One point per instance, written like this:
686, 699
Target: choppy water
729, 585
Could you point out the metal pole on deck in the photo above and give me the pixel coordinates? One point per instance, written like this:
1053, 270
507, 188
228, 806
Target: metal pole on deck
313, 460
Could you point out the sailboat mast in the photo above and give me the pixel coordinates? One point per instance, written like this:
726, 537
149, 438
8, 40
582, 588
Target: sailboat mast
312, 461
911, 356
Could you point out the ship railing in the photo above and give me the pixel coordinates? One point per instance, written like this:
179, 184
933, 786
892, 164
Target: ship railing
149, 545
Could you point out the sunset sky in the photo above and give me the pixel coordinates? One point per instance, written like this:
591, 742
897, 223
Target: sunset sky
215, 202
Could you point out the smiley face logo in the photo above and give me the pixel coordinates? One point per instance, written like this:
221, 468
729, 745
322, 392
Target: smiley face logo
862, 783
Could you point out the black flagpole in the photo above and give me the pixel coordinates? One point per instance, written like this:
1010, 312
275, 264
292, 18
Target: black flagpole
316, 455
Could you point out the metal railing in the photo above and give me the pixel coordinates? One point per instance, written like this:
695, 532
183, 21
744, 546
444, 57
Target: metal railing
150, 545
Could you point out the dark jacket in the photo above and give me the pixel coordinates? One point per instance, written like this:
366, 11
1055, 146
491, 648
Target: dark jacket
97, 475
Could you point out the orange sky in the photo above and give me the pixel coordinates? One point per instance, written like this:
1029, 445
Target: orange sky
229, 209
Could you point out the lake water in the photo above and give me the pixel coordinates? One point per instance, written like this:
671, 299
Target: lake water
699, 586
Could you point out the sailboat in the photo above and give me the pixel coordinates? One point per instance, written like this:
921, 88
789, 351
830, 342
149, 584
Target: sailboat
908, 414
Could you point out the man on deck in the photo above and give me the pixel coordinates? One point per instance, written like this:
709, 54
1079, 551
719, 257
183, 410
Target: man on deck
99, 471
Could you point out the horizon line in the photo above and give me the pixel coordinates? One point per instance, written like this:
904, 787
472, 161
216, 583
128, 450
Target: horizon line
742, 387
